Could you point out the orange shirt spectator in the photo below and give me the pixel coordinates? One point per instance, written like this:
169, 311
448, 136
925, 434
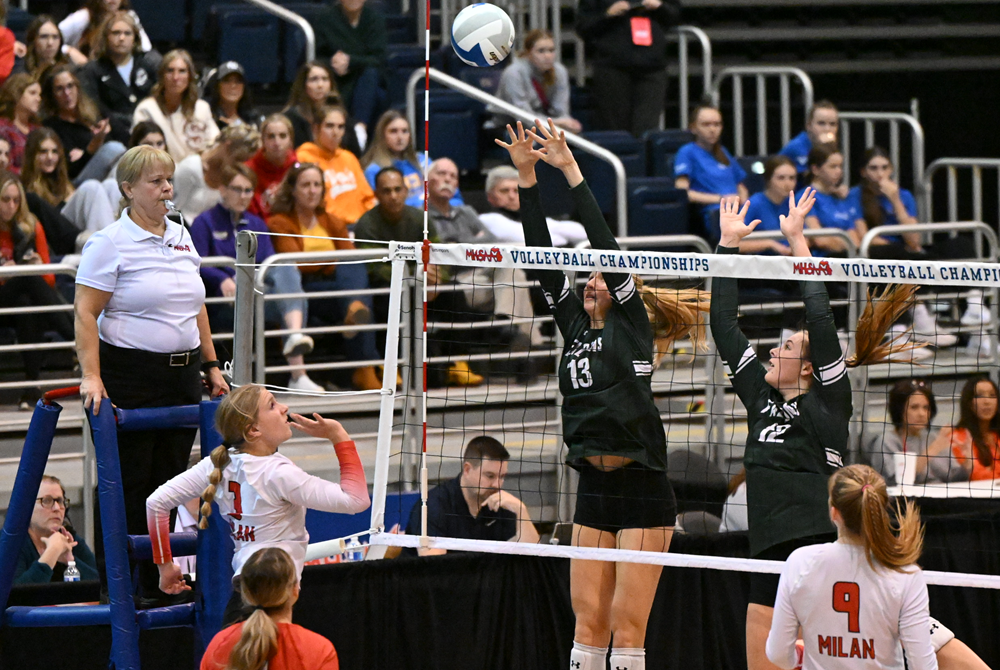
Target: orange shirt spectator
298, 649
960, 438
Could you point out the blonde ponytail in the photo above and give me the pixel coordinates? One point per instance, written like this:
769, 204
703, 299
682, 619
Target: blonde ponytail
878, 316
267, 582
674, 314
233, 418
859, 494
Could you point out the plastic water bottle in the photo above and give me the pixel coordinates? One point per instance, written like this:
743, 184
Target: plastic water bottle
355, 551
72, 573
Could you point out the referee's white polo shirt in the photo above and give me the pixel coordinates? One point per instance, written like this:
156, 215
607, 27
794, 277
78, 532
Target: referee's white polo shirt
155, 285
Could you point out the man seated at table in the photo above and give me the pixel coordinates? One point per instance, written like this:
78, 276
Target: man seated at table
473, 505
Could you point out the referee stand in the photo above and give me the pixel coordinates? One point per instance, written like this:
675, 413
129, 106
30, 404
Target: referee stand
213, 546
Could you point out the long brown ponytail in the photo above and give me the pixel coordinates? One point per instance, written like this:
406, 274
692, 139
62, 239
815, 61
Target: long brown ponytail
674, 314
859, 494
267, 581
876, 319
234, 416
871, 194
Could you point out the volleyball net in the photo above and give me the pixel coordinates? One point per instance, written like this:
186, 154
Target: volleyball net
491, 352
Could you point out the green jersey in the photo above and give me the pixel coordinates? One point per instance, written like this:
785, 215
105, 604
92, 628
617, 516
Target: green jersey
604, 373
793, 446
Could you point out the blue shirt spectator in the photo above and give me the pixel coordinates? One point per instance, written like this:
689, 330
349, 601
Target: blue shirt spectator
881, 202
707, 174
821, 128
888, 208
770, 205
832, 208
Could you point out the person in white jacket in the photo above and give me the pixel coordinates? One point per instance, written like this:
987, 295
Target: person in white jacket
187, 121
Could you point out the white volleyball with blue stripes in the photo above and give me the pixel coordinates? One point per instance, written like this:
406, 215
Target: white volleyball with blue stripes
482, 34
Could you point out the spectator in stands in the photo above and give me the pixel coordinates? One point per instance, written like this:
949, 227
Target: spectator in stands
473, 505
119, 74
626, 43
82, 28
504, 222
271, 162
146, 349
974, 440
349, 195
8, 46
214, 234
298, 210
880, 201
174, 105
912, 407
535, 81
706, 170
199, 176
149, 134
78, 123
45, 46
60, 233
227, 94
832, 208
20, 100
313, 90
493, 291
45, 174
770, 206
23, 242
352, 34
821, 128
393, 219
392, 144
51, 541
269, 585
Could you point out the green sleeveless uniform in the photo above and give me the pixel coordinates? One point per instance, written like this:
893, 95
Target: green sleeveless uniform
793, 446
604, 374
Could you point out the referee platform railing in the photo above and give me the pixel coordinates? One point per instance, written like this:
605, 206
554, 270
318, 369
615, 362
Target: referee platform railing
213, 547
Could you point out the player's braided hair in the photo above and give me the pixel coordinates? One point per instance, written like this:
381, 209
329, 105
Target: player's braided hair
234, 416
267, 581
674, 314
859, 494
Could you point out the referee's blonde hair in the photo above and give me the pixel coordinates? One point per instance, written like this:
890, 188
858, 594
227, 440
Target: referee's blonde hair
859, 494
134, 163
267, 583
233, 418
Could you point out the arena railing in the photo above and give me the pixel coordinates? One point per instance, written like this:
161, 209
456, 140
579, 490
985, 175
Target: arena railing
291, 17
892, 121
684, 35
761, 74
951, 167
621, 199
260, 295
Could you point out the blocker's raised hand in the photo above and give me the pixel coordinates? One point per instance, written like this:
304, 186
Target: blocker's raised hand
521, 148
793, 224
555, 151
731, 221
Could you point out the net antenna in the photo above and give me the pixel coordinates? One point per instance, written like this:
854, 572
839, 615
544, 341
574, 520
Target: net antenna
422, 278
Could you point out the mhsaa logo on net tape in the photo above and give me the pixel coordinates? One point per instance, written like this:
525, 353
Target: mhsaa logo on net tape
810, 268
482, 255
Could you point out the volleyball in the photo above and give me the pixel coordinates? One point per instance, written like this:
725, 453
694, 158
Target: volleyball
482, 34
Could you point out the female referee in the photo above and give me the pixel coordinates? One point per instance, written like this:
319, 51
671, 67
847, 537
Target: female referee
798, 409
610, 423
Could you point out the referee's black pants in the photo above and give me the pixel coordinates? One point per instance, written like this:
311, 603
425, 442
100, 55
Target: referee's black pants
136, 379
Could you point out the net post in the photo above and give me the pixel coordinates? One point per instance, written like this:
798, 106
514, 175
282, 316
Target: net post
386, 409
246, 255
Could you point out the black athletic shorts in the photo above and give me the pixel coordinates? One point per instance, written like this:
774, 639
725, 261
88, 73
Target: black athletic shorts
634, 496
764, 586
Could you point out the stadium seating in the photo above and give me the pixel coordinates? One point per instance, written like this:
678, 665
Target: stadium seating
295, 39
18, 21
661, 146
400, 64
600, 175
454, 126
754, 166
162, 21
235, 27
655, 207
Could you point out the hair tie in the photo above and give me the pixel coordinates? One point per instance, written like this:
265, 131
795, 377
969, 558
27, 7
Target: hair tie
261, 608
865, 488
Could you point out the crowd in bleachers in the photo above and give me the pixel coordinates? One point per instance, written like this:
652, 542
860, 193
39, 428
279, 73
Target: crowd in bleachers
78, 92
